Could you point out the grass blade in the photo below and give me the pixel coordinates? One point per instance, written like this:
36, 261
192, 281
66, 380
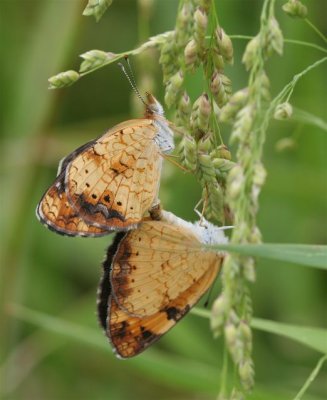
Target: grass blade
314, 338
311, 378
308, 336
170, 370
302, 254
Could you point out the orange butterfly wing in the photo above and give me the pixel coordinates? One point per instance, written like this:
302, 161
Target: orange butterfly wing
121, 168
116, 180
150, 284
55, 211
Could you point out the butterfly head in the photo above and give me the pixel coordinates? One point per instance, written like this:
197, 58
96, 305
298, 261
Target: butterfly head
153, 105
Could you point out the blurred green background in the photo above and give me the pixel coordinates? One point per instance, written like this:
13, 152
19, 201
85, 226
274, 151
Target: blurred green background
58, 275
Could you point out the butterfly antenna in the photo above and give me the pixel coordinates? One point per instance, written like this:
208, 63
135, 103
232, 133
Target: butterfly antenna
130, 71
132, 83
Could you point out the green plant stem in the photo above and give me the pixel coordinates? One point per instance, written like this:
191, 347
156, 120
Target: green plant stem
288, 89
291, 41
224, 374
217, 125
318, 32
272, 7
118, 57
308, 118
215, 12
215, 24
147, 45
311, 378
135, 51
143, 19
303, 43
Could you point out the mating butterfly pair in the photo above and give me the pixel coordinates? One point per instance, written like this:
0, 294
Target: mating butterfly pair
158, 270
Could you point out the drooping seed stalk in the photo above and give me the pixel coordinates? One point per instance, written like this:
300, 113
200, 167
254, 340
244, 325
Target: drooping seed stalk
232, 311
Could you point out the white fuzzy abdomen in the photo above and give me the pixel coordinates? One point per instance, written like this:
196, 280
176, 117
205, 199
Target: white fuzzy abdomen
164, 137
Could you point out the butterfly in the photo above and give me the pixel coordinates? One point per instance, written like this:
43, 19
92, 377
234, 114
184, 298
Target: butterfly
109, 183
152, 276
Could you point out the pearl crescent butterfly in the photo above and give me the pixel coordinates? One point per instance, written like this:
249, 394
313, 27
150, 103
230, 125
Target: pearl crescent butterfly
109, 183
152, 276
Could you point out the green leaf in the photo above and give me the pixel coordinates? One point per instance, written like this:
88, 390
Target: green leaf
171, 370
175, 371
96, 8
316, 338
303, 254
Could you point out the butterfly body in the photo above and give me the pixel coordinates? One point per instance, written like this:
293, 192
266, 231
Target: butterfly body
153, 275
109, 183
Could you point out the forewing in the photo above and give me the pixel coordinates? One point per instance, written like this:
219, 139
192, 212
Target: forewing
115, 181
130, 335
155, 264
55, 212
66, 160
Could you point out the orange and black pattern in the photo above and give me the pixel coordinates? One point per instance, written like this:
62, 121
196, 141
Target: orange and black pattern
107, 184
152, 276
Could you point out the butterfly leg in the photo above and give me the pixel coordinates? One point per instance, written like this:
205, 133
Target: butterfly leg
169, 158
205, 203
